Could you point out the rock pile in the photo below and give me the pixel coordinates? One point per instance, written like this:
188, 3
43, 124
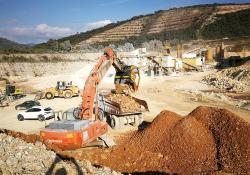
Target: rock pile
19, 157
232, 79
126, 102
206, 141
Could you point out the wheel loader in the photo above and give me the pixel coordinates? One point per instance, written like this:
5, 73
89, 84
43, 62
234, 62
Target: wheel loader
62, 89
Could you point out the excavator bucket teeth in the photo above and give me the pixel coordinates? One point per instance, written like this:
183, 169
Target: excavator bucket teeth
107, 140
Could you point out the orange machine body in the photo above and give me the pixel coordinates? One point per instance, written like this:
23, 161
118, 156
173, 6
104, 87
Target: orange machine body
73, 139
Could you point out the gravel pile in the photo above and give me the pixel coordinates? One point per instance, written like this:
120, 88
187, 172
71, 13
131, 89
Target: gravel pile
233, 79
19, 157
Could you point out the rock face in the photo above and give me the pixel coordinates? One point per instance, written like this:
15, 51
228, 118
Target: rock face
165, 20
36, 65
19, 157
231, 79
26, 70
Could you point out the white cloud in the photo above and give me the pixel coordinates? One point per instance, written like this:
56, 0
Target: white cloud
38, 33
96, 24
43, 32
53, 32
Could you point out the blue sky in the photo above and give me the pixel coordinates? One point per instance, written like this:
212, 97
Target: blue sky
34, 21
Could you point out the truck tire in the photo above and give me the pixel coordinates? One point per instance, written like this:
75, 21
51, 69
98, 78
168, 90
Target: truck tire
49, 95
114, 122
67, 94
20, 117
101, 115
138, 119
41, 118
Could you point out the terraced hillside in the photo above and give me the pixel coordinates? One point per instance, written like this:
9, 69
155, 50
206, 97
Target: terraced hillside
169, 20
129, 29
164, 21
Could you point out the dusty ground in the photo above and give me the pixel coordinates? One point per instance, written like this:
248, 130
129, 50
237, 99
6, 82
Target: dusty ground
160, 93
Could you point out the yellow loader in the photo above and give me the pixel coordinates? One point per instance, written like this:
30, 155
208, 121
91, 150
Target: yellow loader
62, 89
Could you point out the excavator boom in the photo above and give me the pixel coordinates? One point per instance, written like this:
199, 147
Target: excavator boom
96, 75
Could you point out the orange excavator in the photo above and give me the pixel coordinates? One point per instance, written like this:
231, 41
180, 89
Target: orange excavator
73, 134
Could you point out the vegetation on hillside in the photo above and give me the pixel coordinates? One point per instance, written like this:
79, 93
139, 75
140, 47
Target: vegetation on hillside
229, 25
8, 46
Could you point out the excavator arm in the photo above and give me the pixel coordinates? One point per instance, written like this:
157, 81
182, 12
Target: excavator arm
96, 75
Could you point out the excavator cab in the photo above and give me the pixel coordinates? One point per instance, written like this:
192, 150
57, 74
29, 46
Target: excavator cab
10, 89
61, 85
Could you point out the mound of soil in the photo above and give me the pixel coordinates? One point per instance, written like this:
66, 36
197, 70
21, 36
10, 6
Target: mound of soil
192, 147
231, 134
205, 141
157, 133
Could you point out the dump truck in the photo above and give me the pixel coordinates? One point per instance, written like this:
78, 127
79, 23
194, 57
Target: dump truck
111, 112
62, 89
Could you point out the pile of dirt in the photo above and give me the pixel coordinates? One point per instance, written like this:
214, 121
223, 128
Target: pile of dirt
205, 141
231, 135
232, 79
127, 103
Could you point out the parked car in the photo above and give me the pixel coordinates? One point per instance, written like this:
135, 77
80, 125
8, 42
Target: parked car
36, 112
27, 105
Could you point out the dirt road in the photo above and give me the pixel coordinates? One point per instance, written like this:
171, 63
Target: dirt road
168, 93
